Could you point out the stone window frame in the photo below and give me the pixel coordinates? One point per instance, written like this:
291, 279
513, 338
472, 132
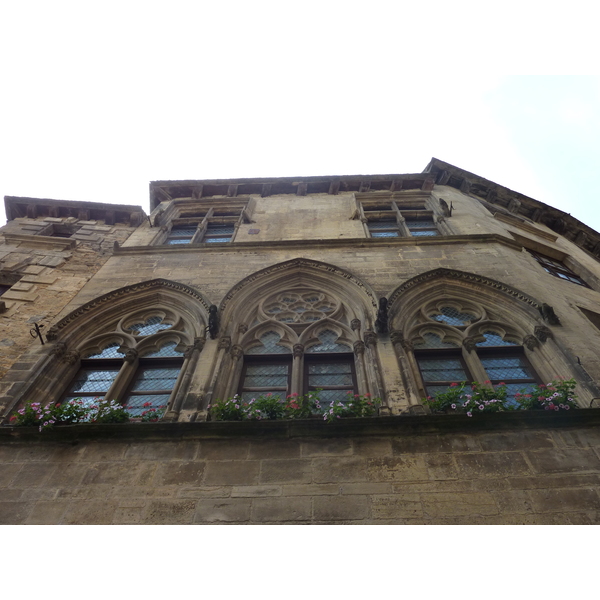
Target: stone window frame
557, 268
134, 349
202, 216
399, 209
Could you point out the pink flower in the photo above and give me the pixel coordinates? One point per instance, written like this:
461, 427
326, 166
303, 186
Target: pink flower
453, 384
469, 414
502, 383
481, 407
453, 406
367, 395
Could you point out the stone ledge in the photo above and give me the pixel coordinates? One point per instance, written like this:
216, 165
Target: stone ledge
309, 428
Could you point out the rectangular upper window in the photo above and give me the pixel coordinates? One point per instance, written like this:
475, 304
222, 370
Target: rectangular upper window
557, 269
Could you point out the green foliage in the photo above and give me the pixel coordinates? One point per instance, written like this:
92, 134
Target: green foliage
355, 406
469, 398
151, 415
556, 395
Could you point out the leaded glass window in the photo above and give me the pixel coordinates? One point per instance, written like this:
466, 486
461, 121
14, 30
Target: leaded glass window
453, 316
422, 227
264, 377
150, 326
91, 382
383, 228
329, 343
439, 371
218, 233
181, 234
164, 351
557, 268
493, 339
151, 387
432, 340
270, 345
333, 375
110, 351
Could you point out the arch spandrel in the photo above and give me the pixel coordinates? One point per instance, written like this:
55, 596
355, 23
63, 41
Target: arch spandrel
299, 274
105, 312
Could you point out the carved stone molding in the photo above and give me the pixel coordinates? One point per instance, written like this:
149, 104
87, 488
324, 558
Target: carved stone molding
542, 333
470, 343
224, 343
197, 345
298, 350
59, 350
442, 273
290, 265
397, 337
355, 324
236, 352
359, 348
110, 297
243, 328
548, 314
370, 338
131, 355
71, 357
530, 342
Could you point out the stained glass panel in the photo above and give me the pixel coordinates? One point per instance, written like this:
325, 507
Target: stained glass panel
111, 351
493, 339
452, 316
152, 325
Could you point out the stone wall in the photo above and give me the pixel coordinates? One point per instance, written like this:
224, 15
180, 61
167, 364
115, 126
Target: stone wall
525, 468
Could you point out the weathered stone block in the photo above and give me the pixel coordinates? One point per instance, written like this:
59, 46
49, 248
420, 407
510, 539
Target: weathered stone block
492, 464
163, 450
441, 466
581, 438
513, 501
555, 481
232, 472
224, 449
226, 511
8, 473
403, 468
565, 500
281, 509
14, 513
397, 506
458, 504
565, 460
372, 447
330, 489
120, 473
207, 491
413, 444
127, 516
104, 451
32, 475
169, 512
340, 468
365, 488
517, 440
326, 447
47, 513
90, 512
177, 472
274, 449
340, 508
286, 471
255, 491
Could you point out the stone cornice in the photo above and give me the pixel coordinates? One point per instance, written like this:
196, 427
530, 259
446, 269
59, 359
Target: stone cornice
354, 243
442, 273
153, 284
40, 241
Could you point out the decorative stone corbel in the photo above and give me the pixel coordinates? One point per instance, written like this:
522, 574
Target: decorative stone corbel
59, 350
71, 357
470, 343
530, 342
542, 333
548, 314
243, 328
197, 345
213, 321
298, 350
381, 324
370, 338
51, 334
237, 352
131, 355
359, 348
224, 343
355, 324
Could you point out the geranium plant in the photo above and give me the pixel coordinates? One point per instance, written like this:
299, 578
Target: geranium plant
469, 398
151, 414
77, 410
556, 395
356, 405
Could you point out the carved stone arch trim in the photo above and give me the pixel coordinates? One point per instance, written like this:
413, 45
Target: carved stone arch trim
110, 307
446, 333
494, 296
312, 332
153, 343
288, 335
351, 290
506, 331
97, 343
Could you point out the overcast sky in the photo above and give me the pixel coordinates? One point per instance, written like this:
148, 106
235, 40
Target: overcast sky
99, 98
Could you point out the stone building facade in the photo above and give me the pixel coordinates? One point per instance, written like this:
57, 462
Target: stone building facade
389, 285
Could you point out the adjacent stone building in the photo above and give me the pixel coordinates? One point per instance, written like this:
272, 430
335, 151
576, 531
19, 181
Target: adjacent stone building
388, 285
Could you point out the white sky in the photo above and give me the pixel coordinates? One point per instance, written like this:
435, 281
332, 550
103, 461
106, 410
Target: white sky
99, 98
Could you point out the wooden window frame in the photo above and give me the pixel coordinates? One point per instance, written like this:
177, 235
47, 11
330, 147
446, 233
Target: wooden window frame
330, 358
557, 268
266, 359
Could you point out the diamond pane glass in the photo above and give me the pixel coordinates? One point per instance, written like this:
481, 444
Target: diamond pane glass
329, 344
433, 390
216, 240
514, 388
179, 241
423, 233
270, 345
374, 225
152, 325
503, 369
183, 231
154, 379
384, 234
433, 340
451, 316
92, 381
265, 376
111, 351
220, 229
442, 369
493, 339
164, 351
329, 396
135, 404
420, 224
